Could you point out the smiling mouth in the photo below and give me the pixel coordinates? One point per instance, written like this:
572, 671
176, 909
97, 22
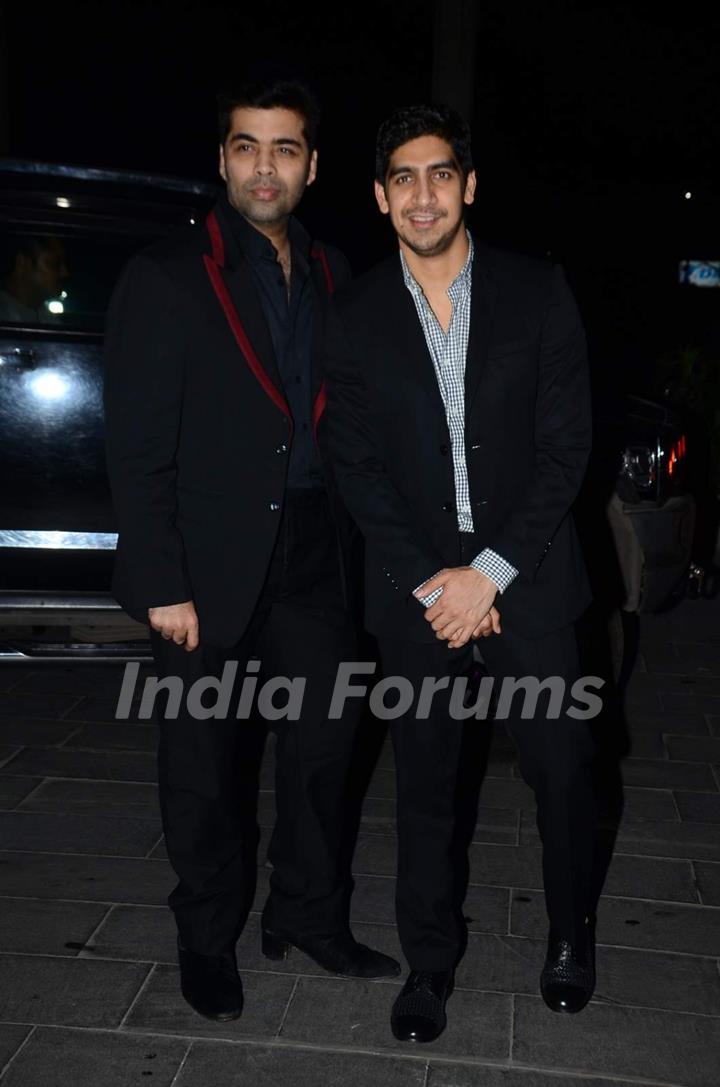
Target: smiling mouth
424, 220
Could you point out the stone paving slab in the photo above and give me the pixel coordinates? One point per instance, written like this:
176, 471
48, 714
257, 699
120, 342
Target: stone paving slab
656, 1045
93, 709
161, 1009
93, 765
694, 748
339, 1012
28, 704
90, 797
35, 732
12, 1036
80, 681
703, 807
85, 878
14, 789
57, 1057
33, 926
67, 992
123, 736
692, 724
475, 1075
8, 752
242, 1065
691, 930
668, 774
708, 882
654, 839
71, 833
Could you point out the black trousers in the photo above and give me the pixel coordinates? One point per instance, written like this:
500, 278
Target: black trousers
555, 756
207, 768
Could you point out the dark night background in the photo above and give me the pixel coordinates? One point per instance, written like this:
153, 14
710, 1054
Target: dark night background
591, 123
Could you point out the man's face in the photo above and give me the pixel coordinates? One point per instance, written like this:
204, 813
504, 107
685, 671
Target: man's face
45, 274
266, 163
424, 195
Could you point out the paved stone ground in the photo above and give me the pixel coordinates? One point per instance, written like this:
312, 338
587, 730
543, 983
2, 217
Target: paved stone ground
89, 989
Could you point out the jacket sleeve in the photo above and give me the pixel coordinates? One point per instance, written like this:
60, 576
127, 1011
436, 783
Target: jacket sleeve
380, 511
144, 378
562, 437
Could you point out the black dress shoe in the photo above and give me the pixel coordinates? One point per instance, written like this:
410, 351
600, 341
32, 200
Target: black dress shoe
418, 1014
568, 978
339, 954
211, 984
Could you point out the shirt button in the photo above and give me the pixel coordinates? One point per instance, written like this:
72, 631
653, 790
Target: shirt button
274, 507
449, 507
444, 450
282, 448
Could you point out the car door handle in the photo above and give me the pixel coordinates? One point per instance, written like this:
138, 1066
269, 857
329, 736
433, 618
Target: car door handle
18, 356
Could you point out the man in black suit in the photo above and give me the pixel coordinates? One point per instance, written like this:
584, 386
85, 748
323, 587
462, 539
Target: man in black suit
460, 428
234, 545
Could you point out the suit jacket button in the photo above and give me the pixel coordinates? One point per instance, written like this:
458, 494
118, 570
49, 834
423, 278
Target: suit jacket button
444, 450
274, 506
449, 507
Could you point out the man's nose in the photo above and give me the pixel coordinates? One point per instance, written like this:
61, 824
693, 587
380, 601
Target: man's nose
264, 163
425, 192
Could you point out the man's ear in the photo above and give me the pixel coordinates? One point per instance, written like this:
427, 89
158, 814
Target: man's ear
470, 185
381, 198
221, 164
312, 170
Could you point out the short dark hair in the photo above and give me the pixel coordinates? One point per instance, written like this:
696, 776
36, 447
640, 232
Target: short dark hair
276, 94
410, 122
12, 246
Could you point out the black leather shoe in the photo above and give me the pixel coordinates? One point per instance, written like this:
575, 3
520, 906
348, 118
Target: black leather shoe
418, 1014
340, 954
211, 984
568, 978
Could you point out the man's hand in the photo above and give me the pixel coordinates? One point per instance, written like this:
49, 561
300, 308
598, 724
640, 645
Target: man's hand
177, 621
466, 600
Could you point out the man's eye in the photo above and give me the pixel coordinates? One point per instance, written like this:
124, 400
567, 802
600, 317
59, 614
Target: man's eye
287, 150
443, 174
402, 178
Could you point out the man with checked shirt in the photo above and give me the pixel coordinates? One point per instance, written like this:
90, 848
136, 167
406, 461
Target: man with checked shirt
460, 431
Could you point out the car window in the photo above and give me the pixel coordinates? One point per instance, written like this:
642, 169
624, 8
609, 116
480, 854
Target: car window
61, 278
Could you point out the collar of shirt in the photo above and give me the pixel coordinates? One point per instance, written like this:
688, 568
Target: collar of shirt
256, 247
460, 286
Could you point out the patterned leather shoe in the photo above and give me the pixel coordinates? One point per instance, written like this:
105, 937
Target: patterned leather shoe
568, 978
418, 1014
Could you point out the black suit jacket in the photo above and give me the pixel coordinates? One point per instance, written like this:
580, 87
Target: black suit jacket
198, 429
527, 439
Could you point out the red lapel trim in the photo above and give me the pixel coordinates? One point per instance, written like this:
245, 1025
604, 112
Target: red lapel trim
213, 266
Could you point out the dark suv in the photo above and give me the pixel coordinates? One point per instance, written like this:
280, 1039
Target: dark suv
65, 233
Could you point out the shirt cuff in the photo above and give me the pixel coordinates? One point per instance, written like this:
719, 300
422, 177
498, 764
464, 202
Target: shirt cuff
427, 601
495, 567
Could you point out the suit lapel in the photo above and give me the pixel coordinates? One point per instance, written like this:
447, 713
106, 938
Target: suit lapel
482, 308
237, 296
402, 330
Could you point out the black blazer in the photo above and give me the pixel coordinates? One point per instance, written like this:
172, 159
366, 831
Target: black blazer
527, 439
198, 429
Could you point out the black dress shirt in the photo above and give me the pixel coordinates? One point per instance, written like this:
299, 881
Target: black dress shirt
290, 321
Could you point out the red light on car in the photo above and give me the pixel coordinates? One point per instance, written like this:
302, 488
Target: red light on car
672, 460
681, 447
